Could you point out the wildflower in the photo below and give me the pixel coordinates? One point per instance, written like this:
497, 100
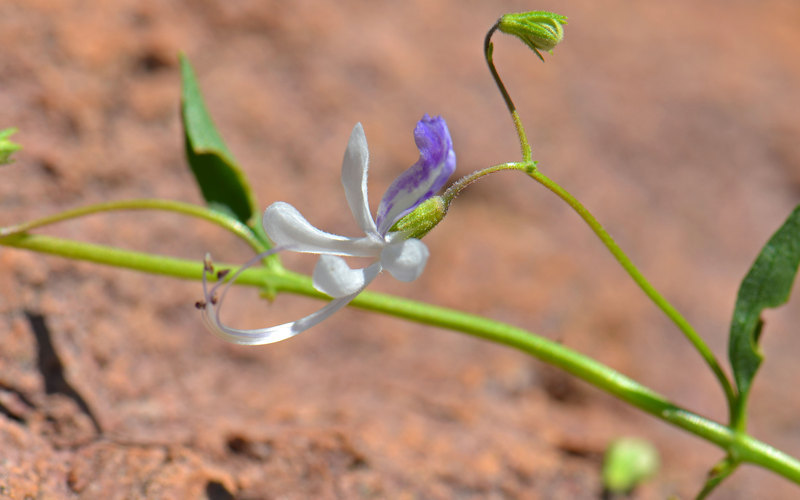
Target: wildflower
403, 256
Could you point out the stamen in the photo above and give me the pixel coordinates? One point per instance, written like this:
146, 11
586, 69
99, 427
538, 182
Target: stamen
212, 298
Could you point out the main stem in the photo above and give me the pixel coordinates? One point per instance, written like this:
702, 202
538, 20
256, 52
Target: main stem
738, 444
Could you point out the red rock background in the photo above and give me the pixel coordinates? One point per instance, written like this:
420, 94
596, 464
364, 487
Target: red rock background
675, 122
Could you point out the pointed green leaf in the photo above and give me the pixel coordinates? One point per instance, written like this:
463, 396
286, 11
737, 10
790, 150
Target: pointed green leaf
6, 146
767, 285
221, 181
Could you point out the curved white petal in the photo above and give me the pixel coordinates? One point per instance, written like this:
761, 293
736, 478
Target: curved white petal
275, 333
354, 179
332, 276
405, 259
270, 334
287, 227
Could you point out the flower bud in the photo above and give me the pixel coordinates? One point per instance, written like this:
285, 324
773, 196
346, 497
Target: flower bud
423, 218
539, 30
7, 147
628, 462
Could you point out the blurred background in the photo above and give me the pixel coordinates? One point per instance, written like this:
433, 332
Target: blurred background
675, 123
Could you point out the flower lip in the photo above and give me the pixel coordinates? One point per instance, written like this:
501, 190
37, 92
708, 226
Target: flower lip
437, 162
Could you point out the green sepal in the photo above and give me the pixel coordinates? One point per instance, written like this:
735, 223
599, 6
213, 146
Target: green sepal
422, 219
767, 285
540, 30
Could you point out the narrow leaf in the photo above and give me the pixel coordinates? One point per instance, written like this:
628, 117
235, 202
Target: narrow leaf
6, 146
221, 181
767, 285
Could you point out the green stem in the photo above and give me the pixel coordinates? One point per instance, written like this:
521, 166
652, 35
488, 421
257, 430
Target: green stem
737, 444
672, 313
529, 168
488, 51
242, 231
458, 186
718, 473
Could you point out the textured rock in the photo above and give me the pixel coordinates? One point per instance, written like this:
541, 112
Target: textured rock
677, 130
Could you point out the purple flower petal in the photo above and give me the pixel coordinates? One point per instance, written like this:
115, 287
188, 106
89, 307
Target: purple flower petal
436, 163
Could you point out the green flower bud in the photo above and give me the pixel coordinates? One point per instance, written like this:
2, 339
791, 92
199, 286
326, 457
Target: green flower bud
7, 147
539, 30
423, 218
627, 463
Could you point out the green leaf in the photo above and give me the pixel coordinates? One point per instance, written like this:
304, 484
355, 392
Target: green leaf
221, 181
767, 285
6, 146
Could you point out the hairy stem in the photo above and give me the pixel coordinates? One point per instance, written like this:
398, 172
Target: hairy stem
488, 52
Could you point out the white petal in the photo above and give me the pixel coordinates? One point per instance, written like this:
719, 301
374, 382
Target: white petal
276, 333
286, 227
354, 179
271, 334
332, 276
405, 259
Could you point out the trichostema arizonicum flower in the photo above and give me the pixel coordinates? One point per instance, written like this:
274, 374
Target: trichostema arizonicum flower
402, 256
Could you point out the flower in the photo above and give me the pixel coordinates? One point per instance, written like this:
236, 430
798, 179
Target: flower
395, 251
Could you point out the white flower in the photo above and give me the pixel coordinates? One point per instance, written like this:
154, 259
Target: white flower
403, 257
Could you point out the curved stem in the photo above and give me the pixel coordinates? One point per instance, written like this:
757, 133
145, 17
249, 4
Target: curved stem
672, 313
458, 186
488, 51
234, 226
739, 445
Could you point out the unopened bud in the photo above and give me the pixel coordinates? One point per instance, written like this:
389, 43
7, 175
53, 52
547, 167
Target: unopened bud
628, 462
539, 30
423, 218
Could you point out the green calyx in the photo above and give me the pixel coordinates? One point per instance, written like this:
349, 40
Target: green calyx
423, 218
6, 146
539, 30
